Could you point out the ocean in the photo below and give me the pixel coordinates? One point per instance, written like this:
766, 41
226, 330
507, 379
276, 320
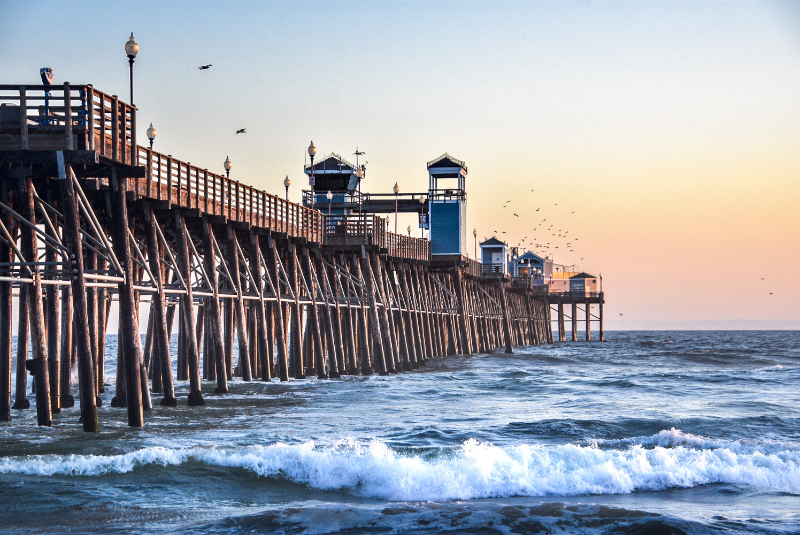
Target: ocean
649, 432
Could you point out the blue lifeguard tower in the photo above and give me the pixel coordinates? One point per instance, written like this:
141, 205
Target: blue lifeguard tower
447, 199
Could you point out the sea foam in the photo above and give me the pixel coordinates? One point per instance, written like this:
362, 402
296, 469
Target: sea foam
473, 470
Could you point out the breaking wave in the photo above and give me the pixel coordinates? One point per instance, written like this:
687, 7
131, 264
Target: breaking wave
472, 470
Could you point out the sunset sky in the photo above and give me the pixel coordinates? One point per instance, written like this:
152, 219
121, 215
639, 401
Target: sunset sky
670, 129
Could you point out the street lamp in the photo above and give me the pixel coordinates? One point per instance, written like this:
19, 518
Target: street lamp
131, 49
329, 195
151, 135
422, 222
312, 150
228, 166
396, 190
475, 235
286, 184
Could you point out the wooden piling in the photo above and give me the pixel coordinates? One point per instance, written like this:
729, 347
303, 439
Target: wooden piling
600, 319
128, 317
277, 310
161, 357
588, 312
314, 323
331, 321
67, 400
51, 306
187, 307
6, 297
73, 243
239, 312
264, 348
363, 264
574, 321
38, 366
296, 319
213, 311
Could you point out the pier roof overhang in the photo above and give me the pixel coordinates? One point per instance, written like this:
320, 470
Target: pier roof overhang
445, 163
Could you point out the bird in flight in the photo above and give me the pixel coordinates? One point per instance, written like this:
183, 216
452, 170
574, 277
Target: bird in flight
620, 313
205, 67
242, 131
762, 278
538, 209
516, 215
770, 293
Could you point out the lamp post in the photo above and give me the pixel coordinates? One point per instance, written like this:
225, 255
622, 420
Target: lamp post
360, 170
475, 236
312, 150
286, 184
396, 190
422, 222
329, 196
131, 49
227, 163
151, 135
360, 178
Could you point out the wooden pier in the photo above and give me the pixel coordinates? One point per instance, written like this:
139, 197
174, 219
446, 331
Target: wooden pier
87, 215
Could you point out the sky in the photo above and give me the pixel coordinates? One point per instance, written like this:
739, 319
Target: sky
662, 137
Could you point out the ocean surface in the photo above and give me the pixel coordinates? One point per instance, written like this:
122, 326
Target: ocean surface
649, 432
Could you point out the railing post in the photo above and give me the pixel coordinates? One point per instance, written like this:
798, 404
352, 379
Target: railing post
102, 124
114, 128
90, 116
205, 189
23, 118
134, 147
169, 180
149, 172
67, 116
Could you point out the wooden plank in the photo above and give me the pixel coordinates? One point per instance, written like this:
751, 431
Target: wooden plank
23, 118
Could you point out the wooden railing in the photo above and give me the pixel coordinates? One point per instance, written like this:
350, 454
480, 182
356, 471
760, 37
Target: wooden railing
473, 268
66, 117
400, 246
79, 117
186, 185
372, 229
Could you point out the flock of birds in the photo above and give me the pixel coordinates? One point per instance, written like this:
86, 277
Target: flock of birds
205, 68
546, 238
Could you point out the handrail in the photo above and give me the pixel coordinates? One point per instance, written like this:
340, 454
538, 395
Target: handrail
80, 117
372, 229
